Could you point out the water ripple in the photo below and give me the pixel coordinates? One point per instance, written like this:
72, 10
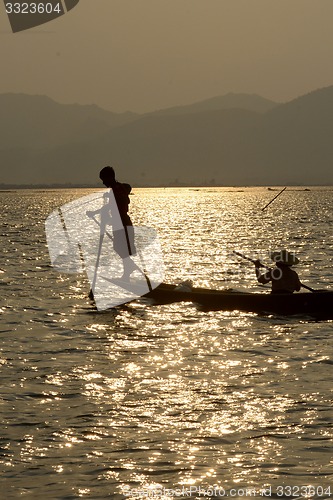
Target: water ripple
95, 404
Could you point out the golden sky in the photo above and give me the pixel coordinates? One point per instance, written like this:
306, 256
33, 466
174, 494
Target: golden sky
142, 55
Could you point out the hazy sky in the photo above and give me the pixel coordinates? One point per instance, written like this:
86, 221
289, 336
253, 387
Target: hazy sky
142, 55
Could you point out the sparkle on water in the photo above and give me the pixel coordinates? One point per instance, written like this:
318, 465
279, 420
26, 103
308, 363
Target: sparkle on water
98, 404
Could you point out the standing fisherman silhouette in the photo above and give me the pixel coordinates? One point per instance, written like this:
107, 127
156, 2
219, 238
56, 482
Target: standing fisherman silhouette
115, 213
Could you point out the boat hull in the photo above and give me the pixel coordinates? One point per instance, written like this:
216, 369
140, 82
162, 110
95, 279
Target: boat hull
318, 305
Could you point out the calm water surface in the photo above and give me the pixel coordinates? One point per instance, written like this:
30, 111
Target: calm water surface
102, 404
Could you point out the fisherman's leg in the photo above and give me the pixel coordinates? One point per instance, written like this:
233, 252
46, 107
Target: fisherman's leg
129, 232
129, 267
122, 244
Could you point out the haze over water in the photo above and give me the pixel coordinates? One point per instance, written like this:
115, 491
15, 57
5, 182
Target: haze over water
95, 405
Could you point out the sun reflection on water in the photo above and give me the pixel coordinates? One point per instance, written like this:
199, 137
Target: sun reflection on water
152, 396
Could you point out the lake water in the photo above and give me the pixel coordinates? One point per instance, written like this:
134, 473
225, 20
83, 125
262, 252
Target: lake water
167, 401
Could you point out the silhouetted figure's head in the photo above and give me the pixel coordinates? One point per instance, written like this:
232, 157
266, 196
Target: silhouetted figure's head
284, 258
108, 176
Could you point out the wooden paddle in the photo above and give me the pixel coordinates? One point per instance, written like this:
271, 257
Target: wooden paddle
274, 198
266, 267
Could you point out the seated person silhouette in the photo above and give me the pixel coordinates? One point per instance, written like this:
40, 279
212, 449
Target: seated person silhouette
283, 278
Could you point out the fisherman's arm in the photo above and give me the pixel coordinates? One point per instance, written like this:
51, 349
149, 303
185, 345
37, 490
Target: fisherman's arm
92, 213
262, 278
104, 211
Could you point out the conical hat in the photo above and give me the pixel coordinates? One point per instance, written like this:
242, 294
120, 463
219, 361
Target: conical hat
284, 257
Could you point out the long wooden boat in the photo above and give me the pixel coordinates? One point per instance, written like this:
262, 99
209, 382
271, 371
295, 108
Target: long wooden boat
318, 305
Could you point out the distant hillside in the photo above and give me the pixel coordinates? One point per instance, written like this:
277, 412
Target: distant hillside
37, 121
298, 138
289, 143
249, 102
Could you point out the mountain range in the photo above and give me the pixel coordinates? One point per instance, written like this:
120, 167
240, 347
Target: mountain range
235, 139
